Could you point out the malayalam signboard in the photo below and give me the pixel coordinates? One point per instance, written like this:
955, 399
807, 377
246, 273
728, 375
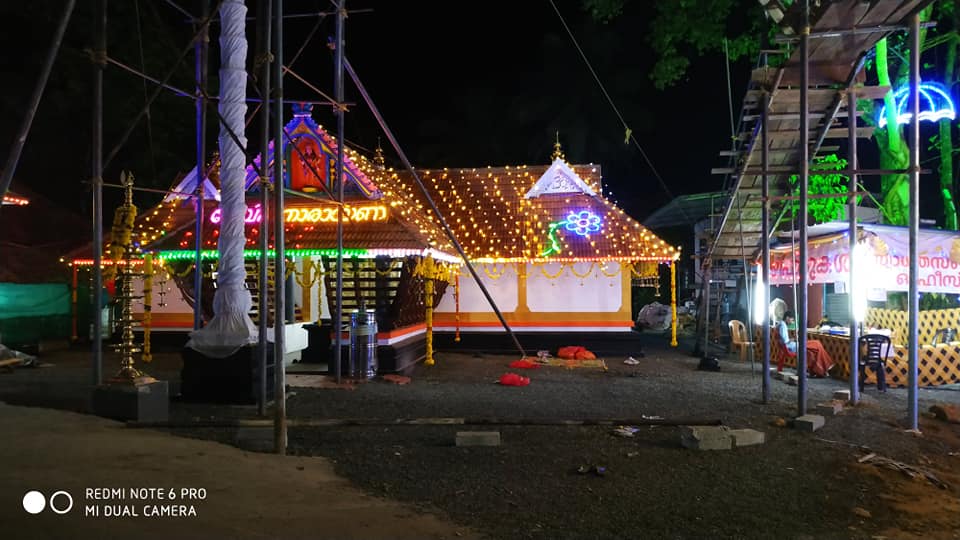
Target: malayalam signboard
828, 260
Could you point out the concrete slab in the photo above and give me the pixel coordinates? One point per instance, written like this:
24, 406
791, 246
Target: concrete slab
142, 402
478, 438
706, 438
747, 437
792, 380
809, 422
842, 395
830, 408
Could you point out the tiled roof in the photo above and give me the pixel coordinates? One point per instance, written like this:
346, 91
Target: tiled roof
493, 220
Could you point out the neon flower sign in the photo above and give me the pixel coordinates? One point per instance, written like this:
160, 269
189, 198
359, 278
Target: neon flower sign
582, 223
935, 104
320, 214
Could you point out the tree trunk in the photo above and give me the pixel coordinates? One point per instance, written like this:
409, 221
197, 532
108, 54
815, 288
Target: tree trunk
946, 147
894, 153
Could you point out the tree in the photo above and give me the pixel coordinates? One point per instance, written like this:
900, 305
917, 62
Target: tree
683, 29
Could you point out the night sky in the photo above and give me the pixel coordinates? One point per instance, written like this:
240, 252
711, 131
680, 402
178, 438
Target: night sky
465, 84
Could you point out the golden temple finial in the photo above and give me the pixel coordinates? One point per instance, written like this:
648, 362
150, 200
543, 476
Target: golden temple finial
378, 161
557, 151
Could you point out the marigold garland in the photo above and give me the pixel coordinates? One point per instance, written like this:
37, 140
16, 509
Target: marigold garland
147, 305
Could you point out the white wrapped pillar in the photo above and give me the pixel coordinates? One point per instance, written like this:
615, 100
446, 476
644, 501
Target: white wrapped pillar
231, 326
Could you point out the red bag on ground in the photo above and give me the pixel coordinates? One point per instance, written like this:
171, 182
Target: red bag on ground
584, 354
570, 353
512, 379
524, 364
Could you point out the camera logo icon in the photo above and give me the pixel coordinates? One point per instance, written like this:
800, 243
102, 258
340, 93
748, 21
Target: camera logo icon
35, 502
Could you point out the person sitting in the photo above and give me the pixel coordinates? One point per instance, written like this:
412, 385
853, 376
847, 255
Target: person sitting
819, 361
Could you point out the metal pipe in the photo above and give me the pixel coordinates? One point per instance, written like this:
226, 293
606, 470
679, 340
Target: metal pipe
430, 202
765, 233
100, 38
914, 294
14, 157
339, 110
263, 283
840, 32
802, 300
279, 398
204, 26
852, 233
200, 52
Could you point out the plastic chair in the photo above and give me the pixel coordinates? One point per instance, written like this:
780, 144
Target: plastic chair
872, 349
738, 339
780, 349
944, 335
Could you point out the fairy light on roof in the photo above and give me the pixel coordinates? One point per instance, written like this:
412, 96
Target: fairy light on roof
935, 104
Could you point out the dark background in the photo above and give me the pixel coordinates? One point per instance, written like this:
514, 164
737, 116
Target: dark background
461, 84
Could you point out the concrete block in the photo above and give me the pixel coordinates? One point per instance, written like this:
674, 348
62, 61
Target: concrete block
142, 403
779, 375
478, 438
842, 395
792, 380
747, 437
830, 408
255, 439
809, 422
706, 438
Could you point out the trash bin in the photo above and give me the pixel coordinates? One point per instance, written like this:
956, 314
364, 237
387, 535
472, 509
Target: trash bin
363, 344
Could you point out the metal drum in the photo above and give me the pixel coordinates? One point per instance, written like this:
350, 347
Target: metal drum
363, 344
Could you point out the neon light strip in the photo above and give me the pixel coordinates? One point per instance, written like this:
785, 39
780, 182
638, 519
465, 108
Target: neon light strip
932, 113
487, 260
106, 262
321, 214
174, 255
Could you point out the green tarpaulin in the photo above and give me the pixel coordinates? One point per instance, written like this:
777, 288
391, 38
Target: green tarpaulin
33, 300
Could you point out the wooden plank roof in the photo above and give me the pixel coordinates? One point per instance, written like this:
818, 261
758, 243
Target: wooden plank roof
835, 63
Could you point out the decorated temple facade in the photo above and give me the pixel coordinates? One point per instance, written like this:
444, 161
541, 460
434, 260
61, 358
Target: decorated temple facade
553, 252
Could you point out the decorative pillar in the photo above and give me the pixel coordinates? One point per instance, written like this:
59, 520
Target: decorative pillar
673, 303
429, 270
73, 307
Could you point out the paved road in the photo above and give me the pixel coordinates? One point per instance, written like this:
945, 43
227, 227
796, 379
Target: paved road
248, 495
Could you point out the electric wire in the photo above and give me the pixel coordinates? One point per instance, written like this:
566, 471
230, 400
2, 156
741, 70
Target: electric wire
628, 132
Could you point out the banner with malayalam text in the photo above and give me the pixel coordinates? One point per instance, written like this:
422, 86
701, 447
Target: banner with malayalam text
828, 260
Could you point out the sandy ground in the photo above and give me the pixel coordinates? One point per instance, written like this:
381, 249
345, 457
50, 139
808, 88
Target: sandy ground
796, 485
248, 495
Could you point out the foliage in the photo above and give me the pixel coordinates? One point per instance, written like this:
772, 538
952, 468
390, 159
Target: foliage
826, 209
683, 29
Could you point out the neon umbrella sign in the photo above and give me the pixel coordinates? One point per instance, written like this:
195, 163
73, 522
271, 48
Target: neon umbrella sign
935, 104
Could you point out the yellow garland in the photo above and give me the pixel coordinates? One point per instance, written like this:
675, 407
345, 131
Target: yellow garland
175, 274
615, 273
123, 219
147, 305
456, 301
543, 270
494, 275
573, 270
644, 269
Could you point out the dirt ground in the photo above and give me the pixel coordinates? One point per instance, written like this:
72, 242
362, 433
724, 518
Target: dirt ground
796, 485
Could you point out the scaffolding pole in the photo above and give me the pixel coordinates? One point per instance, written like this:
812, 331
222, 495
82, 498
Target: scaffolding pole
802, 299
433, 206
914, 295
100, 52
852, 232
13, 158
201, 46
